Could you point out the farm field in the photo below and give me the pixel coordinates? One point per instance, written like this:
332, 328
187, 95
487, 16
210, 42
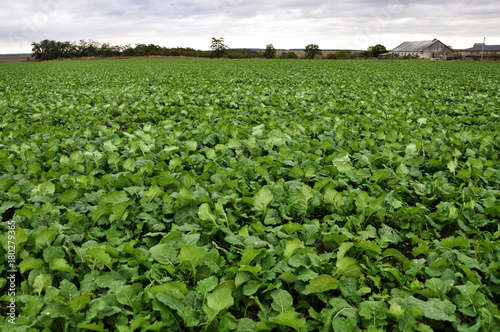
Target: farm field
13, 58
250, 195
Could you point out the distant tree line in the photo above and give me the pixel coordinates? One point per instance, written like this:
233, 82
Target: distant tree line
53, 50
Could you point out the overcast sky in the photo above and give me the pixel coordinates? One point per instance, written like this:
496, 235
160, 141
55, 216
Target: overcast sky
354, 24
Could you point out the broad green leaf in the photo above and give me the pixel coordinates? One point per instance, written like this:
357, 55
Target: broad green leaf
191, 145
219, 209
60, 264
411, 150
437, 286
129, 165
191, 255
100, 211
33, 307
187, 313
28, 211
407, 323
205, 286
439, 310
452, 242
340, 307
176, 289
341, 324
46, 188
126, 295
465, 174
251, 287
333, 197
345, 168
249, 255
469, 300
220, 299
362, 201
185, 198
290, 318
246, 325
391, 252
41, 282
402, 170
293, 227
68, 197
258, 130
100, 256
138, 322
211, 154
156, 326
113, 197
303, 198
262, 199
6, 183
435, 308
228, 322
77, 157
296, 172
374, 313
165, 254
119, 211
214, 261
343, 249
380, 175
282, 300
205, 214
321, 284
79, 302
288, 276
68, 290
396, 311
30, 263
388, 234
151, 193
92, 327
369, 246
45, 237
291, 246
348, 266
341, 159
452, 166
241, 278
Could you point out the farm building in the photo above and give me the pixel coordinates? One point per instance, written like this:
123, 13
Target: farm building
477, 49
427, 49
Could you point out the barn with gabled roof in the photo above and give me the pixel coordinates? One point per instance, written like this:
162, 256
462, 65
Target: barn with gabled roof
426, 49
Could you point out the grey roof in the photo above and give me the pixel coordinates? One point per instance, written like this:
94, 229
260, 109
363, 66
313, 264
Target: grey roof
415, 46
486, 48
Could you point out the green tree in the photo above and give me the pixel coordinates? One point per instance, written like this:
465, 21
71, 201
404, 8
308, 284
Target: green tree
270, 52
288, 55
218, 47
376, 50
312, 50
339, 54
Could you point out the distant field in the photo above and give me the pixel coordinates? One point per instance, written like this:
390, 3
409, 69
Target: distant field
14, 58
250, 195
301, 53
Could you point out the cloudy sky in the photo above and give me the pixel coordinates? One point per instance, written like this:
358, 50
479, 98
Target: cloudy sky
354, 24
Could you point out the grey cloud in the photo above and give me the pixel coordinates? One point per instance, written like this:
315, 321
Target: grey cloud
291, 22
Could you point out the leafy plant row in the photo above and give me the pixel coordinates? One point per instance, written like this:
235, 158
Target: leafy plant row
199, 195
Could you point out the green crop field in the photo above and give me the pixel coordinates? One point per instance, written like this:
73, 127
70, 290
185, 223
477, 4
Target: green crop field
252, 195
